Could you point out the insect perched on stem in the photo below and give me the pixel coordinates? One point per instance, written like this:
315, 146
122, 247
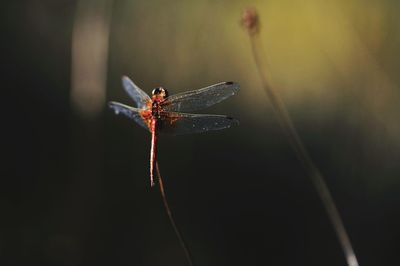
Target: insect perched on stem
161, 113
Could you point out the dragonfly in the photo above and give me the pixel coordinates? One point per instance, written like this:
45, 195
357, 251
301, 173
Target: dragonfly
164, 114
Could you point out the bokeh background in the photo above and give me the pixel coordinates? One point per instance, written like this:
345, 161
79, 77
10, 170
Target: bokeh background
74, 185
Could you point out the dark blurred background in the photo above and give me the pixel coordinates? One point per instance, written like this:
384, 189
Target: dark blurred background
74, 185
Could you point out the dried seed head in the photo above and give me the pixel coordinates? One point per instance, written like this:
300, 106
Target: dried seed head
250, 20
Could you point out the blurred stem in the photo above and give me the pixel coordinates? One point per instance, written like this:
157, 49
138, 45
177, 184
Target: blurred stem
301, 152
171, 218
89, 56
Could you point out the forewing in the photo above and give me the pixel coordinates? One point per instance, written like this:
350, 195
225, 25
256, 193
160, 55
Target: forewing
182, 123
131, 112
201, 98
139, 97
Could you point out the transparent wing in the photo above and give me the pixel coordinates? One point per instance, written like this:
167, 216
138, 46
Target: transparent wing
131, 112
182, 123
200, 99
139, 97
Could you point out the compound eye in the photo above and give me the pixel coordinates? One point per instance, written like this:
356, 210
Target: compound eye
156, 91
160, 91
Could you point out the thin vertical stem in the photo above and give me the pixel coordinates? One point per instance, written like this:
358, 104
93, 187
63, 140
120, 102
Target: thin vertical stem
250, 20
171, 218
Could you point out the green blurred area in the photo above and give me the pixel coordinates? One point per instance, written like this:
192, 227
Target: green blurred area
76, 190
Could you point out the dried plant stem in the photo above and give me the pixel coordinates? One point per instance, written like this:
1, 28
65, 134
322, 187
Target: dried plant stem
301, 152
171, 218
